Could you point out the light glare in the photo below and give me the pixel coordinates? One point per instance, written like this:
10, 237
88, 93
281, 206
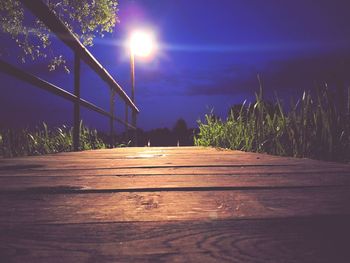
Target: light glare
142, 43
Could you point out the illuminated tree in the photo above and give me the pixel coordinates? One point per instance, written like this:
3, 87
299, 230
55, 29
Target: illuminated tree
85, 18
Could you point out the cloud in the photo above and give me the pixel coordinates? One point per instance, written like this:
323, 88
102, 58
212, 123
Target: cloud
283, 76
291, 75
198, 81
227, 80
327, 68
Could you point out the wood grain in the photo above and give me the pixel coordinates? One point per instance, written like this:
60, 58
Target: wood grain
303, 239
176, 204
133, 182
47, 206
146, 158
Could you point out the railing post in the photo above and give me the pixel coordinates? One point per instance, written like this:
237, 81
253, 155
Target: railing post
111, 119
134, 124
76, 120
126, 120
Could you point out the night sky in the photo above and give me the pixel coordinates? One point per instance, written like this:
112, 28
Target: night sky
209, 55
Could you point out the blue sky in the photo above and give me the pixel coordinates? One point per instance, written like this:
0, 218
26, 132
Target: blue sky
210, 54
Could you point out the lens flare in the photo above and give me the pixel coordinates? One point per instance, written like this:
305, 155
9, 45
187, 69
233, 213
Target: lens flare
142, 43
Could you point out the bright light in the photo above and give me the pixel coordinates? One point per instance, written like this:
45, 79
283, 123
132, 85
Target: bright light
142, 43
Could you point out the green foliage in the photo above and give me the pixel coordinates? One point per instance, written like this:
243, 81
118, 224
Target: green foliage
85, 18
43, 141
314, 127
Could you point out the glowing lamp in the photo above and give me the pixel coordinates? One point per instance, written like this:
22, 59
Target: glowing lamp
142, 43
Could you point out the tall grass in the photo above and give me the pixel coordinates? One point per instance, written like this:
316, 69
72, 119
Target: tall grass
43, 140
317, 126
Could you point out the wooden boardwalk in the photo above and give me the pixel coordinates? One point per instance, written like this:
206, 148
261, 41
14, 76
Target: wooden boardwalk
183, 204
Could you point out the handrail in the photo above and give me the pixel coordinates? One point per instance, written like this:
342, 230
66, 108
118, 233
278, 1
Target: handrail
43, 84
48, 17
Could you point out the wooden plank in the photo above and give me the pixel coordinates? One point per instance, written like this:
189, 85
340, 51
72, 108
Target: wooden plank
169, 152
151, 158
174, 205
180, 152
63, 205
134, 182
309, 239
58, 164
34, 170
162, 157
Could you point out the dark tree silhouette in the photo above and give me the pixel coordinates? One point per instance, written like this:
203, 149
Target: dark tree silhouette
180, 131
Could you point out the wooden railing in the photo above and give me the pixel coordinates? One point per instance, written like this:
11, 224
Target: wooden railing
40, 10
